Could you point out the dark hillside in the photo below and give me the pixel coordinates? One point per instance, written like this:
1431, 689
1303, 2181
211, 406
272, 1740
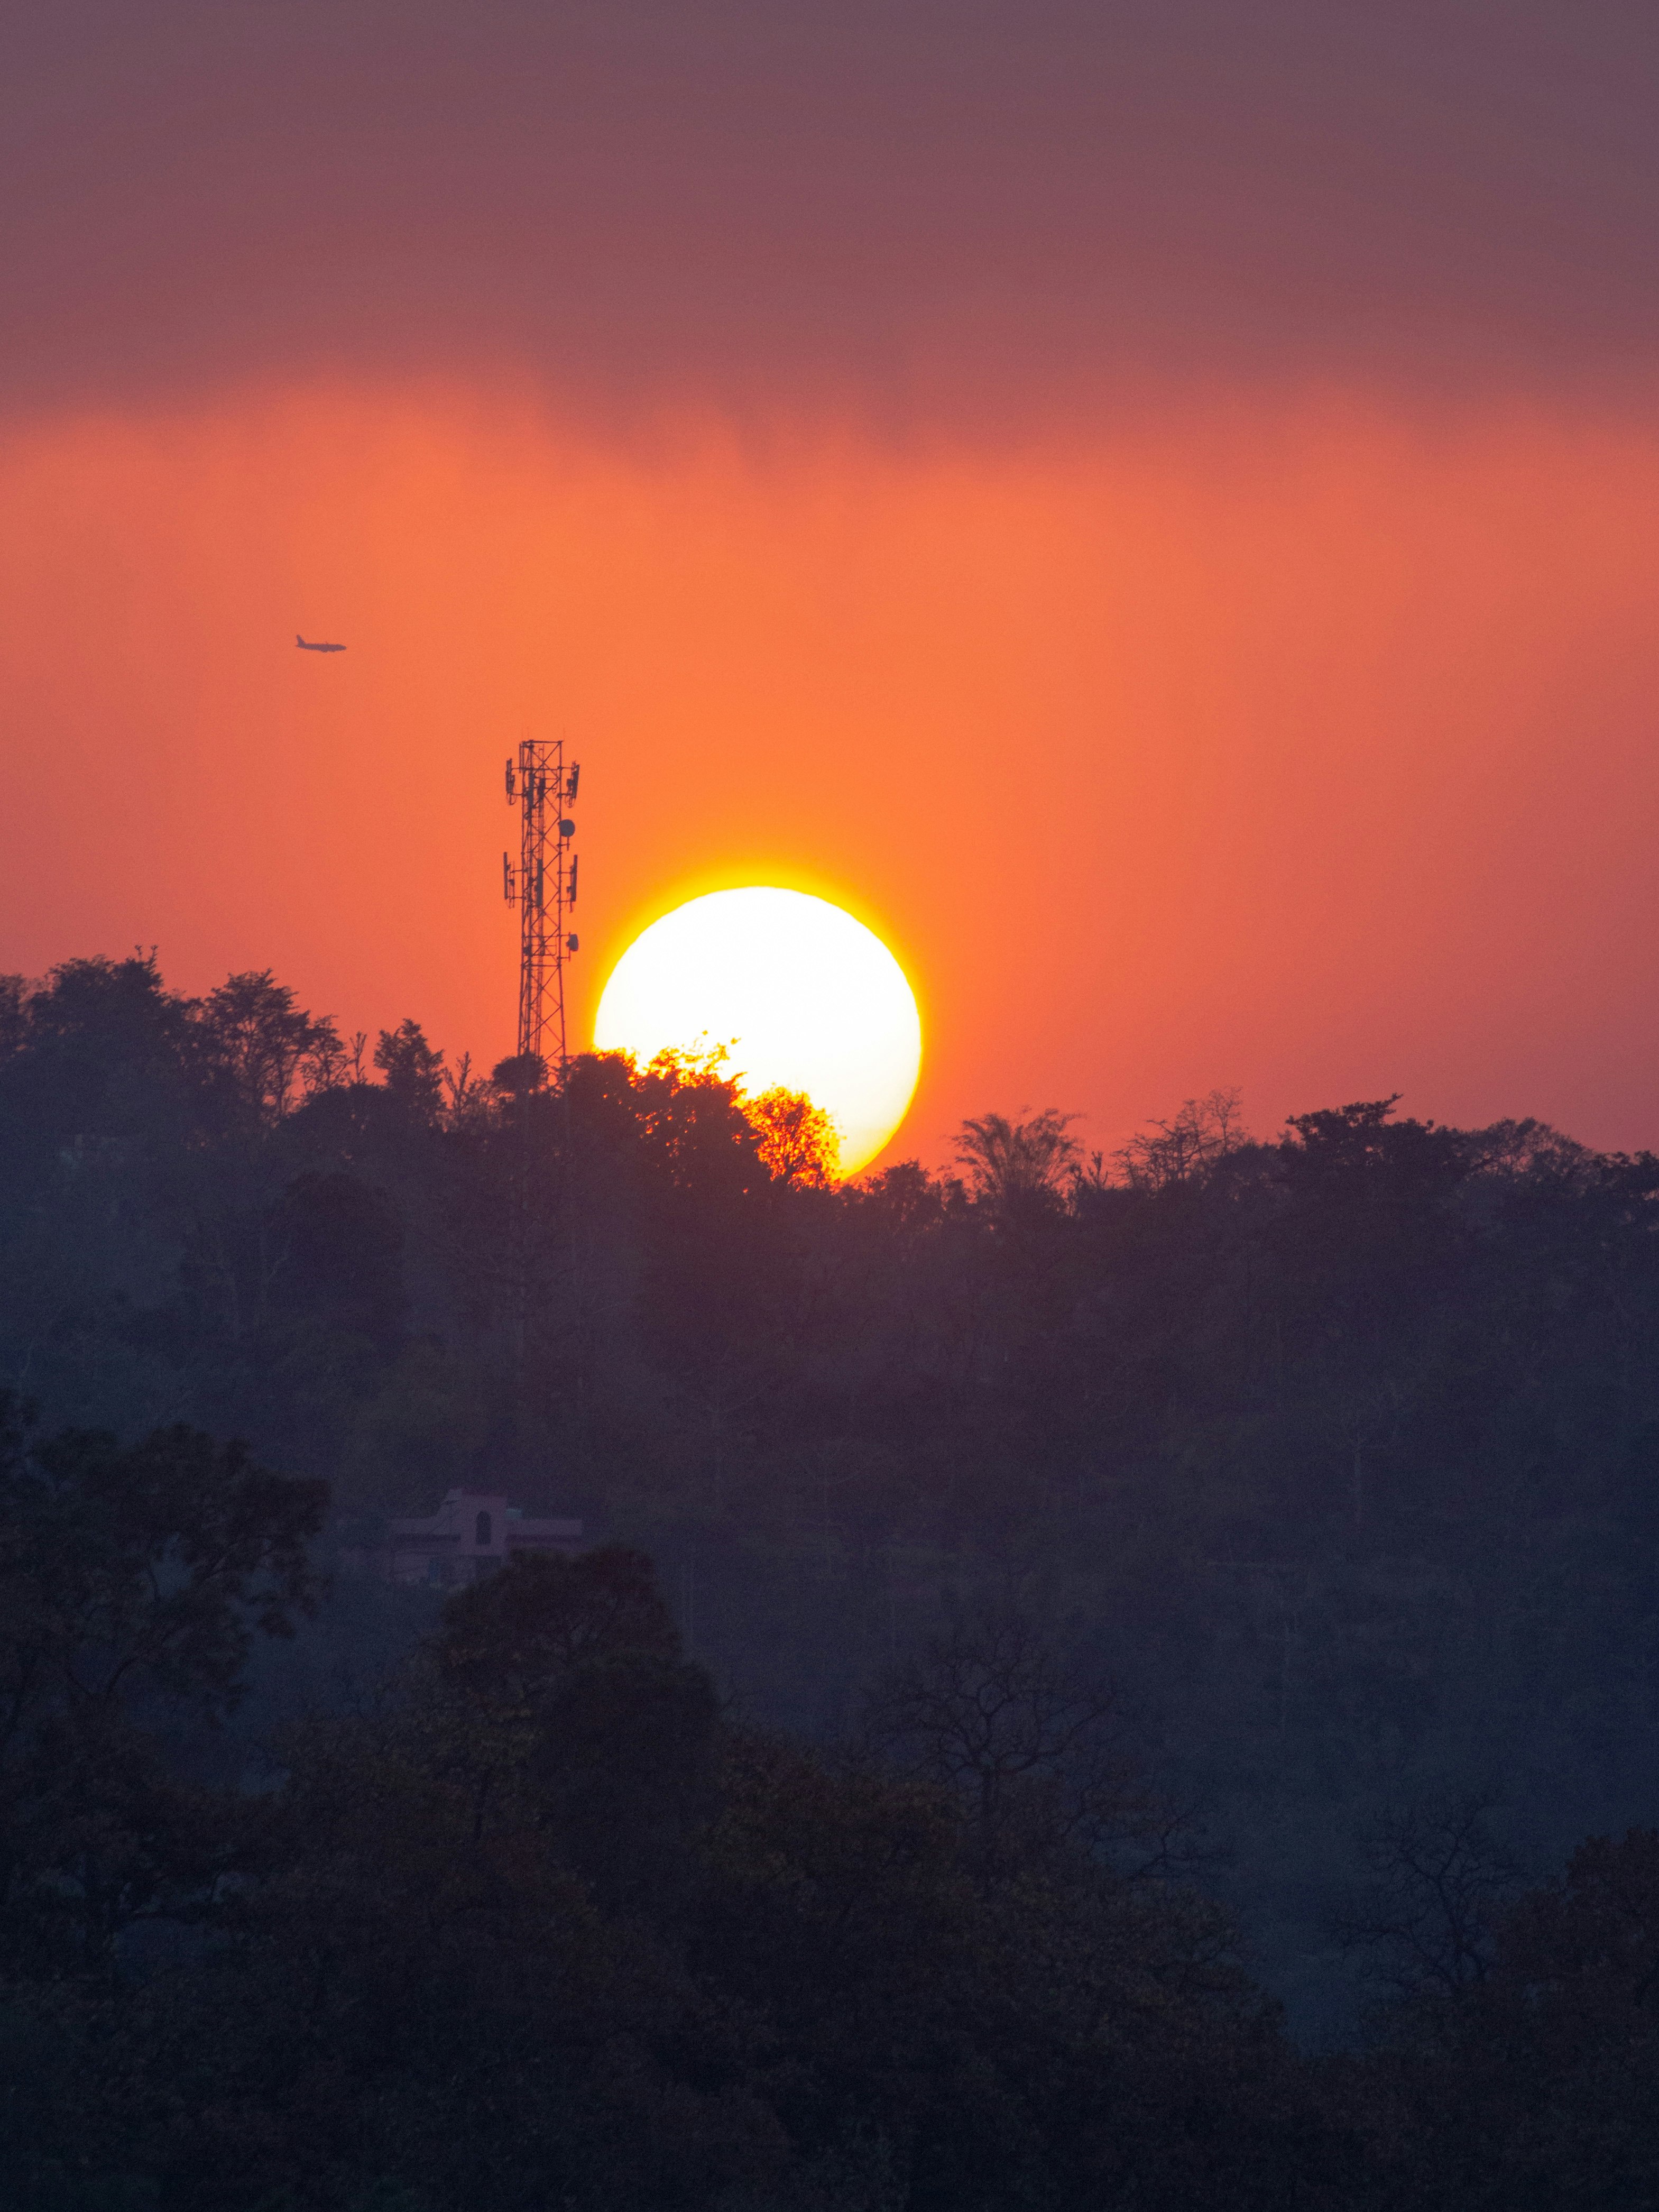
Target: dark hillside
1339, 1452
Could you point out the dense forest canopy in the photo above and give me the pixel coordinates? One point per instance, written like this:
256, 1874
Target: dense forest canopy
1298, 1496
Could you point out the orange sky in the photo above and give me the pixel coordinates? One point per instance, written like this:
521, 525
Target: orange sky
1300, 742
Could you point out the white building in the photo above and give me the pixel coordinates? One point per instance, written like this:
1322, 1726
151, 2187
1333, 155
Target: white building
472, 1534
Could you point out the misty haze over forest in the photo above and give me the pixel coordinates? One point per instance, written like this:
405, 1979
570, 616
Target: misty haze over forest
1289, 1503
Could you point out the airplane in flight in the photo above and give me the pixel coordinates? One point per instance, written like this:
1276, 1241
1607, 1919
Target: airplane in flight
306, 646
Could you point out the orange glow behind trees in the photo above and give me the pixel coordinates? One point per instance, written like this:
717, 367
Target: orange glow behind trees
1301, 747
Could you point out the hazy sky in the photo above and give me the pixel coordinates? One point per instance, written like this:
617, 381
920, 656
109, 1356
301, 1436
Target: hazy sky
1154, 505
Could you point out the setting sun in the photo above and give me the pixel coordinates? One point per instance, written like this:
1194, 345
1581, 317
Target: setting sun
799, 993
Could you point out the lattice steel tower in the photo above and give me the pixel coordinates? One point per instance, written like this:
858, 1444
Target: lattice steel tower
544, 889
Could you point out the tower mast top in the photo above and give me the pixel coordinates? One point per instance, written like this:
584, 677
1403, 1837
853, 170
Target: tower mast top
544, 889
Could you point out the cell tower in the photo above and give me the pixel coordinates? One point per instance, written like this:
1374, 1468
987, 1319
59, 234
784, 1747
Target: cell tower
544, 889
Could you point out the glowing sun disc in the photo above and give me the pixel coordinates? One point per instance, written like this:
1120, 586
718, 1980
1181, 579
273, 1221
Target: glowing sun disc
803, 995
